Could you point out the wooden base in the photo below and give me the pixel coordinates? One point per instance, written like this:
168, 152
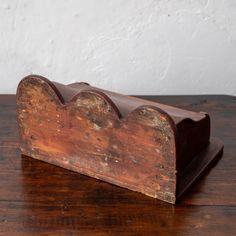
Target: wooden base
199, 165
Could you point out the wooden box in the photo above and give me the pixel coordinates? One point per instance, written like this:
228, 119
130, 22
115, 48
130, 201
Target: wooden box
141, 145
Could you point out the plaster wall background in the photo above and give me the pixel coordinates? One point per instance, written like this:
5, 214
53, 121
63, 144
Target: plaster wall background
129, 46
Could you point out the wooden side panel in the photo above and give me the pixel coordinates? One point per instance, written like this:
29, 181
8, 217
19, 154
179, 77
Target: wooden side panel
88, 136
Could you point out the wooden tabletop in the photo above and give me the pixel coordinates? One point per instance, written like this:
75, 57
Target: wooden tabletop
37, 198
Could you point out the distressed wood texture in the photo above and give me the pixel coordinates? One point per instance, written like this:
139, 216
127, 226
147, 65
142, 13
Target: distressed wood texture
144, 146
37, 198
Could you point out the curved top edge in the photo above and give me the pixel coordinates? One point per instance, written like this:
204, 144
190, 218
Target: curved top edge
33, 76
166, 116
94, 91
101, 95
106, 97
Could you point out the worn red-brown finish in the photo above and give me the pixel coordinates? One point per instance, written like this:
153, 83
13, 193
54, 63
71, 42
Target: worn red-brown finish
144, 146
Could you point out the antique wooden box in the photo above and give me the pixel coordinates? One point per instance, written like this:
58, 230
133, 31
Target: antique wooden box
141, 145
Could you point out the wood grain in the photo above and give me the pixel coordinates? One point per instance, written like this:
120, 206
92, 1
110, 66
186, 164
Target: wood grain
37, 198
88, 136
148, 147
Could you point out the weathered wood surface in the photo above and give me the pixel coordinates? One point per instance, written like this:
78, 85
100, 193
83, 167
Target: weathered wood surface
37, 198
137, 144
86, 135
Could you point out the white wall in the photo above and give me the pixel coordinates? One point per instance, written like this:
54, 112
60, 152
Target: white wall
130, 46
